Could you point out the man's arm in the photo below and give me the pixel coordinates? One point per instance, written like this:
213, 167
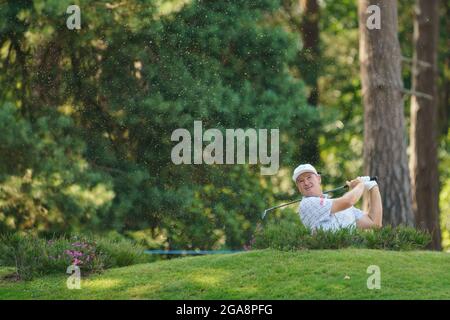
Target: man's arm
350, 198
374, 218
376, 207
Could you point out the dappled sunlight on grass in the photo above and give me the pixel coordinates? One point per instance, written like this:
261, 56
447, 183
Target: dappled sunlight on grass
210, 277
249, 290
143, 291
186, 284
101, 284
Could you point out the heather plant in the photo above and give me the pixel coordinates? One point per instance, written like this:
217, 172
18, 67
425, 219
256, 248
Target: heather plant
31, 256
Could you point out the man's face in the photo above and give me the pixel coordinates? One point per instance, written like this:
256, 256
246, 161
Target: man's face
309, 184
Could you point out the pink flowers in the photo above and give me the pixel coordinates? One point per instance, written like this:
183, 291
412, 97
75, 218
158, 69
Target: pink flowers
82, 253
73, 253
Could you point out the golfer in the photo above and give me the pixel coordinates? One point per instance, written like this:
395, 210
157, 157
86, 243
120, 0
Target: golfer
318, 212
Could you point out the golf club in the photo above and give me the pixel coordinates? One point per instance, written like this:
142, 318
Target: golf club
374, 178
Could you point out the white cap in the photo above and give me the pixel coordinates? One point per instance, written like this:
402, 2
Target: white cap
302, 169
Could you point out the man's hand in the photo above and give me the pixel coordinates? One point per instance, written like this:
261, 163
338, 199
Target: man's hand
368, 183
353, 183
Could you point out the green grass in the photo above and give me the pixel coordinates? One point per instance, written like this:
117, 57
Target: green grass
262, 274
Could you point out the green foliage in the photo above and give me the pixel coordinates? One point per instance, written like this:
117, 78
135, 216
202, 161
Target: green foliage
44, 184
86, 116
222, 214
34, 257
89, 115
341, 137
290, 234
444, 199
120, 252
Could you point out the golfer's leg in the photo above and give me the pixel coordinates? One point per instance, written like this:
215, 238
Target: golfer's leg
376, 207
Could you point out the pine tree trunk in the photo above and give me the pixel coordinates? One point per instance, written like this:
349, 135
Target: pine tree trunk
424, 124
384, 125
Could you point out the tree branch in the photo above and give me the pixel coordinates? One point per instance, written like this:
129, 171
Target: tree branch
419, 62
417, 94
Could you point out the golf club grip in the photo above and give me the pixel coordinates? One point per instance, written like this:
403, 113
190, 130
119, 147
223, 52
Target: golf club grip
372, 178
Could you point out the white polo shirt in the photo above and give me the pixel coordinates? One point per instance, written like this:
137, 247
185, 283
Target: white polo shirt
315, 213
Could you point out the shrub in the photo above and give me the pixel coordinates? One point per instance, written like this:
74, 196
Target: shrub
84, 253
25, 254
32, 257
121, 252
400, 238
291, 234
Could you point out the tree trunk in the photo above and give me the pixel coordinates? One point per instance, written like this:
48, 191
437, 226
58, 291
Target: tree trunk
384, 125
423, 134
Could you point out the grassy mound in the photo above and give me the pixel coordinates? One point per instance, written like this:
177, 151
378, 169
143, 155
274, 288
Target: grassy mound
260, 274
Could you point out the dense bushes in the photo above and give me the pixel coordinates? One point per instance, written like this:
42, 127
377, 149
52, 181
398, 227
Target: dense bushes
32, 256
90, 148
290, 234
120, 252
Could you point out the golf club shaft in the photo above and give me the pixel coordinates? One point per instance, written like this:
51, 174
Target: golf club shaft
374, 178
298, 200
